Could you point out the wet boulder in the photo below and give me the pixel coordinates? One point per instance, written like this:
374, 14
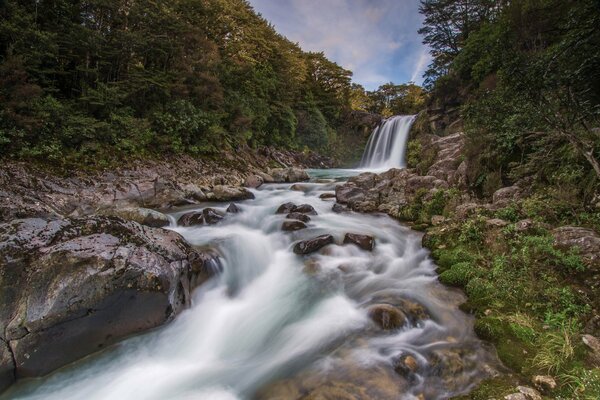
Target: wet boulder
298, 216
387, 317
305, 209
365, 242
346, 193
312, 245
73, 286
285, 208
327, 196
406, 365
233, 208
191, 219
212, 216
338, 208
293, 225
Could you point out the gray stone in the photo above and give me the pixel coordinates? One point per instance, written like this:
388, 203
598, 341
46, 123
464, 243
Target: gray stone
312, 245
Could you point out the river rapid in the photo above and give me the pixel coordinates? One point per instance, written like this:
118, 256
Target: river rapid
276, 325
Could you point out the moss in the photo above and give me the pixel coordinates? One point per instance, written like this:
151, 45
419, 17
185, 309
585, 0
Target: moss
495, 388
457, 275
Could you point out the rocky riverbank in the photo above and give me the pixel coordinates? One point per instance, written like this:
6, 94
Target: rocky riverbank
84, 263
531, 283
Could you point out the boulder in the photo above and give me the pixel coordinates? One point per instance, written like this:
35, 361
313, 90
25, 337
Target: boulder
265, 177
345, 194
73, 286
365, 242
593, 345
312, 245
289, 175
496, 223
544, 383
285, 208
387, 317
298, 187
7, 366
293, 225
529, 393
338, 208
191, 218
233, 208
298, 216
305, 209
327, 196
505, 195
230, 193
212, 216
585, 240
143, 216
253, 181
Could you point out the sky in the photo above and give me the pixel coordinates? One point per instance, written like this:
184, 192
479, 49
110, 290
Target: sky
376, 39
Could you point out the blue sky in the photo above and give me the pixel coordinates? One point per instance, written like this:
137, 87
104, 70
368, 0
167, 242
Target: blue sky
376, 39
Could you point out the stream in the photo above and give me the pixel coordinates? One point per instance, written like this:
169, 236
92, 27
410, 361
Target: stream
276, 325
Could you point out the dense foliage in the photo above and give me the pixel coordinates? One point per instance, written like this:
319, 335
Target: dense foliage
89, 80
527, 74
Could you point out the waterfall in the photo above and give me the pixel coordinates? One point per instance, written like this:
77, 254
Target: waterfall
386, 147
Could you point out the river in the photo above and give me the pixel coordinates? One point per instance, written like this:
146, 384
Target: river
277, 325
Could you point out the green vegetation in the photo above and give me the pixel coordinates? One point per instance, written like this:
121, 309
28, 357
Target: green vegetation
526, 75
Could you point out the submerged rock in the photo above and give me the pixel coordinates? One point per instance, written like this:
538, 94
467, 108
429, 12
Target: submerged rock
73, 286
327, 196
365, 242
406, 365
312, 245
387, 317
338, 208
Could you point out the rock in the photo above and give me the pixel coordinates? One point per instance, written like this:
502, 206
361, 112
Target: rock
496, 223
191, 219
585, 240
253, 181
289, 175
265, 177
544, 383
524, 225
387, 317
285, 208
73, 286
293, 225
593, 344
312, 245
345, 194
305, 209
405, 365
233, 208
437, 220
465, 210
515, 396
140, 215
230, 193
365, 242
298, 216
7, 366
327, 196
338, 208
300, 188
505, 194
212, 216
529, 393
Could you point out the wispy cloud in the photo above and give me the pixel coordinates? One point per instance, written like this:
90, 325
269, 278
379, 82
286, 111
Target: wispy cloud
377, 40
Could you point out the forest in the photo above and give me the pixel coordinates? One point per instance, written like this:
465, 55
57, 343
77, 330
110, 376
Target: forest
87, 82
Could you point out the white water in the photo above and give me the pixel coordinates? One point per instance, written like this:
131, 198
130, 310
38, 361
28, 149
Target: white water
269, 317
386, 147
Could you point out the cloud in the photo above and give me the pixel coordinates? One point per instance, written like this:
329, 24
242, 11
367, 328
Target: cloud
377, 40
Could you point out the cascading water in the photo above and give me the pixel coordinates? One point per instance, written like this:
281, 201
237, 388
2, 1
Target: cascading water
278, 325
386, 147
